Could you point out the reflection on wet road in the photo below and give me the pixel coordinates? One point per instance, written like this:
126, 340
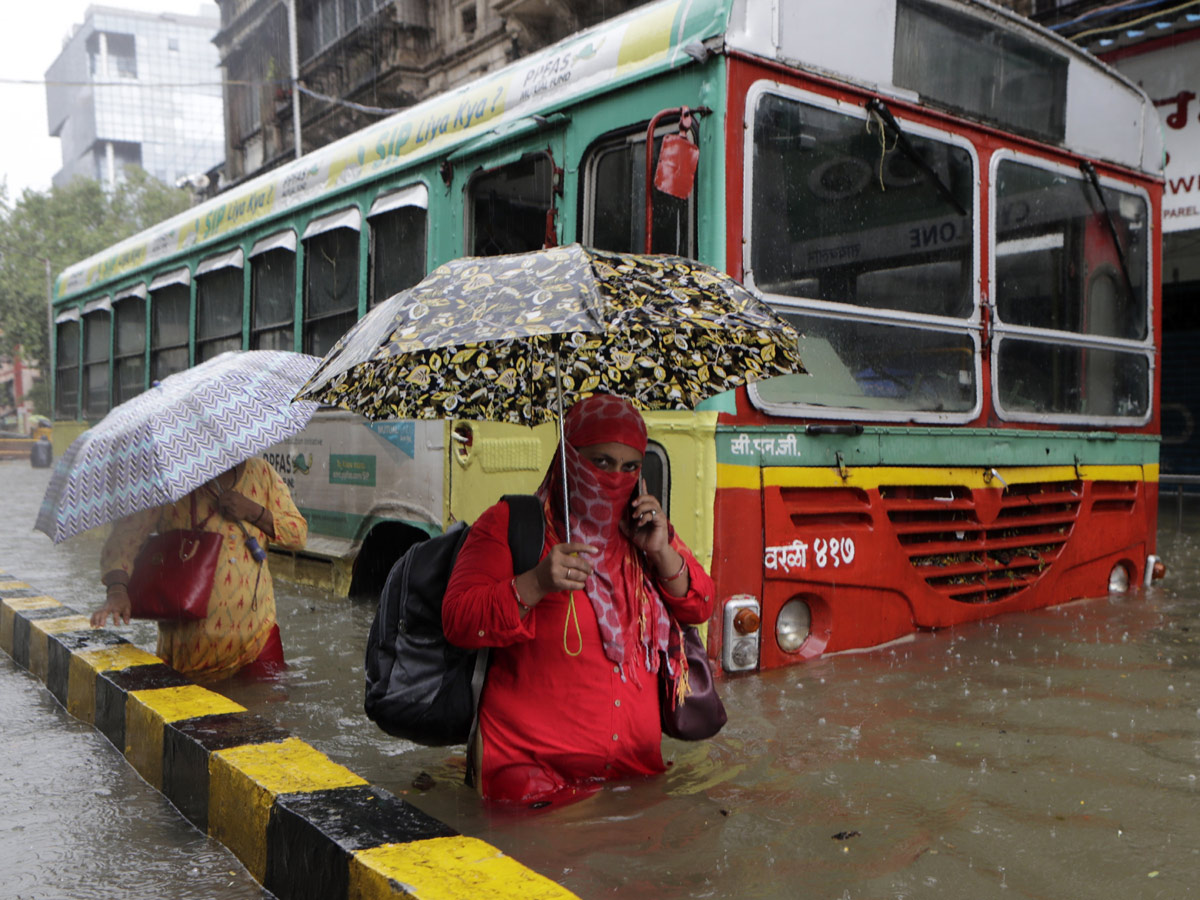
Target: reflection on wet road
1049, 754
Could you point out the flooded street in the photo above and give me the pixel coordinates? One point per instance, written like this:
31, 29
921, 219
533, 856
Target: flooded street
1043, 755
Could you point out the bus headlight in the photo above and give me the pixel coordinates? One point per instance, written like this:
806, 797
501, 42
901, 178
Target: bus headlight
793, 626
740, 639
1118, 579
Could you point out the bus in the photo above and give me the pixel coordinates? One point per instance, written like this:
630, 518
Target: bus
958, 210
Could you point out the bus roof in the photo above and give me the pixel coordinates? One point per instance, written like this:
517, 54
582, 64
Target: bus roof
1107, 116
822, 34
647, 39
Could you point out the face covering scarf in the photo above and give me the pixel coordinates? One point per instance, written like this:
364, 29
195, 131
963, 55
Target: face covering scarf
618, 588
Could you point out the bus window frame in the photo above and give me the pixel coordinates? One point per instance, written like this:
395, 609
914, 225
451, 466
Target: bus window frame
971, 324
411, 196
182, 276
349, 218
662, 459
633, 137
229, 258
139, 292
71, 316
504, 161
1000, 331
284, 241
97, 306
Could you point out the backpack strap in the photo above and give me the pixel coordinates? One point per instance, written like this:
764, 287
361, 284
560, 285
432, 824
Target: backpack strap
526, 530
526, 536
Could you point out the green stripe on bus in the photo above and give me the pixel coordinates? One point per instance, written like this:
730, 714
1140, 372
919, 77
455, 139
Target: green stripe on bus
783, 446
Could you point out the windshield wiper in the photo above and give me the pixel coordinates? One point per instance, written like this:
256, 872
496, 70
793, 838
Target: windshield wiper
880, 109
1094, 180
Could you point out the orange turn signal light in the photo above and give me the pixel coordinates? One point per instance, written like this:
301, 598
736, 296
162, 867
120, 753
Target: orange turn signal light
746, 621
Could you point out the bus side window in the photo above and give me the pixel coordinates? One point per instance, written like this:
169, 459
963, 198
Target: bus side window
509, 207
170, 301
614, 203
273, 292
218, 305
129, 344
330, 279
397, 221
97, 335
66, 374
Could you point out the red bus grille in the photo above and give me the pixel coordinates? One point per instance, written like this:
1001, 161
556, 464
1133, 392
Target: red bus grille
827, 507
1114, 496
980, 549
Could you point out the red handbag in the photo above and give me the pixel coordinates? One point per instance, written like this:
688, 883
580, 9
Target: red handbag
173, 574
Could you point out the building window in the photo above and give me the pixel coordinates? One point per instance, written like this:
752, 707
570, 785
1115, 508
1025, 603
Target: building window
321, 22
468, 17
173, 44
112, 55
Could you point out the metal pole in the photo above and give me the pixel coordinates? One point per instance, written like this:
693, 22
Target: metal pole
49, 332
294, 54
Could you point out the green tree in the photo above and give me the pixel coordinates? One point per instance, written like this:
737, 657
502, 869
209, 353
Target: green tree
65, 225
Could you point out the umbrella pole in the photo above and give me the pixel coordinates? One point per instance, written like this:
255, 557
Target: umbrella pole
562, 447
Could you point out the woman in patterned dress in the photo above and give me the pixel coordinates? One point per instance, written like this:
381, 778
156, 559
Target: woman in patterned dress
571, 696
240, 632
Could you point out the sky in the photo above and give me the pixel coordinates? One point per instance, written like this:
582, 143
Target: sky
30, 41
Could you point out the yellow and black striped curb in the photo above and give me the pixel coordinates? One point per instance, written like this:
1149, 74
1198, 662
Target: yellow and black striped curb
304, 826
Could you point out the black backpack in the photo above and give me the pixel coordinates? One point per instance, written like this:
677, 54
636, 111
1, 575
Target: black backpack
419, 686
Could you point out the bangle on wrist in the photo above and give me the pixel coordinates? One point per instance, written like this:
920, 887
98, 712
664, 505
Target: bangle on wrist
262, 510
682, 569
525, 607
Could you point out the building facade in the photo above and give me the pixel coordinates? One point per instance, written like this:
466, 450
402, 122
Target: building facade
360, 59
134, 88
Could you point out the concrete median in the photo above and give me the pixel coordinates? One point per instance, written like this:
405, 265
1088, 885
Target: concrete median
304, 826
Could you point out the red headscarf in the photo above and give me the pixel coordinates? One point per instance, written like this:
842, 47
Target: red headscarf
619, 591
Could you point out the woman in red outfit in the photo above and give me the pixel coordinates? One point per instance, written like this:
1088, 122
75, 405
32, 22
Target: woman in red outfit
571, 695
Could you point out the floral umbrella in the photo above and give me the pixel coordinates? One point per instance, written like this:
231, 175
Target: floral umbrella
516, 338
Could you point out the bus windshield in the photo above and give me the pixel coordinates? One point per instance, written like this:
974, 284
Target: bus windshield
854, 241
1072, 311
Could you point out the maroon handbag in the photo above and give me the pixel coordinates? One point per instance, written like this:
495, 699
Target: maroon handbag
173, 574
700, 714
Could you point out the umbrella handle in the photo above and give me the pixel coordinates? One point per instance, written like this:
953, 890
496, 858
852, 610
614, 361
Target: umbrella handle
562, 446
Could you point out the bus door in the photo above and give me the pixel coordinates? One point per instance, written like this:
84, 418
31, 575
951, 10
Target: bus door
512, 196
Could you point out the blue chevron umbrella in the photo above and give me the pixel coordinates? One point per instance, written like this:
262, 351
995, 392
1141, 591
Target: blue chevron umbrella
155, 448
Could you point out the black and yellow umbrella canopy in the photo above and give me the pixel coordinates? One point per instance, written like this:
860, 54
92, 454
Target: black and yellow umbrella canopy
492, 338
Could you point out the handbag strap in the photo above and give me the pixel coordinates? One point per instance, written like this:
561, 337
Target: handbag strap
200, 526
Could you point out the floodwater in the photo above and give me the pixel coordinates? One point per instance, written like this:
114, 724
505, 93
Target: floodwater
1042, 755
75, 819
